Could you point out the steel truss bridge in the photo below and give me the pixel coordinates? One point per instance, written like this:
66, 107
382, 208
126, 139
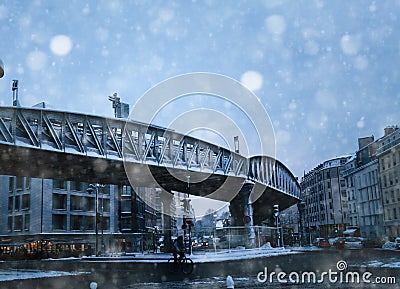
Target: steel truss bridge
55, 144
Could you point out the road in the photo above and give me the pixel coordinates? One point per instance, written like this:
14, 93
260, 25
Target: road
213, 274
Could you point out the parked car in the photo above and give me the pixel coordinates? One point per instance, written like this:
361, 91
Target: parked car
373, 243
353, 243
397, 243
205, 243
323, 243
316, 241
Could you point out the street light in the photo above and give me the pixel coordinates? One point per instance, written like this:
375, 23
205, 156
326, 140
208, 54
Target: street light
95, 188
276, 216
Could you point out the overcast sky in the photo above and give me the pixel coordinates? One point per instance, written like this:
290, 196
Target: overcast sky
327, 72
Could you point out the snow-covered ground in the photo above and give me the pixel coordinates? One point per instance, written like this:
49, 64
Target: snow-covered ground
8, 275
380, 264
197, 257
204, 257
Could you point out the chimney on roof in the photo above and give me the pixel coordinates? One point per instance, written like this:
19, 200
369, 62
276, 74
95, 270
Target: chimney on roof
390, 129
364, 141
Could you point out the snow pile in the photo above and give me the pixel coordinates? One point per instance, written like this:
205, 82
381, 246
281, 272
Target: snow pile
266, 246
240, 254
380, 264
392, 265
389, 245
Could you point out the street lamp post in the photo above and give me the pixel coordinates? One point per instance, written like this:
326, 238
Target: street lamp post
95, 188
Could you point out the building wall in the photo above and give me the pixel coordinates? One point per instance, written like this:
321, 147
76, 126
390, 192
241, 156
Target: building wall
39, 209
325, 197
389, 170
369, 201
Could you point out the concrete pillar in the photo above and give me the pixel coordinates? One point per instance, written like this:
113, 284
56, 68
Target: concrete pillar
242, 213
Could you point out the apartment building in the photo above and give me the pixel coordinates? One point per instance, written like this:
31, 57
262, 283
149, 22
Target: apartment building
362, 185
325, 197
388, 154
43, 212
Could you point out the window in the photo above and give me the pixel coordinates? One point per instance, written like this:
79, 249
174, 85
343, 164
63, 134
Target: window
11, 184
59, 184
59, 202
90, 204
27, 222
27, 183
10, 223
126, 206
126, 223
20, 183
26, 201
105, 190
105, 223
18, 223
10, 203
17, 203
76, 203
75, 186
126, 191
76, 223
59, 222
89, 220
105, 205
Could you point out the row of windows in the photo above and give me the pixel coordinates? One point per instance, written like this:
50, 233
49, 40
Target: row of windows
392, 196
393, 231
368, 194
78, 186
18, 223
19, 183
370, 221
390, 160
391, 214
19, 202
79, 223
354, 221
80, 203
391, 178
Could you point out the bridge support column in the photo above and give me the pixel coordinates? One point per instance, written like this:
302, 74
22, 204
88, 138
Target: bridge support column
166, 199
242, 213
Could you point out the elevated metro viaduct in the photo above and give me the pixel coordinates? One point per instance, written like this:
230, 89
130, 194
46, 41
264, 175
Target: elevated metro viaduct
52, 144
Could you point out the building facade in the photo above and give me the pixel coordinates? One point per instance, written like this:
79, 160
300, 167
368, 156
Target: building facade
388, 155
325, 197
61, 215
364, 194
